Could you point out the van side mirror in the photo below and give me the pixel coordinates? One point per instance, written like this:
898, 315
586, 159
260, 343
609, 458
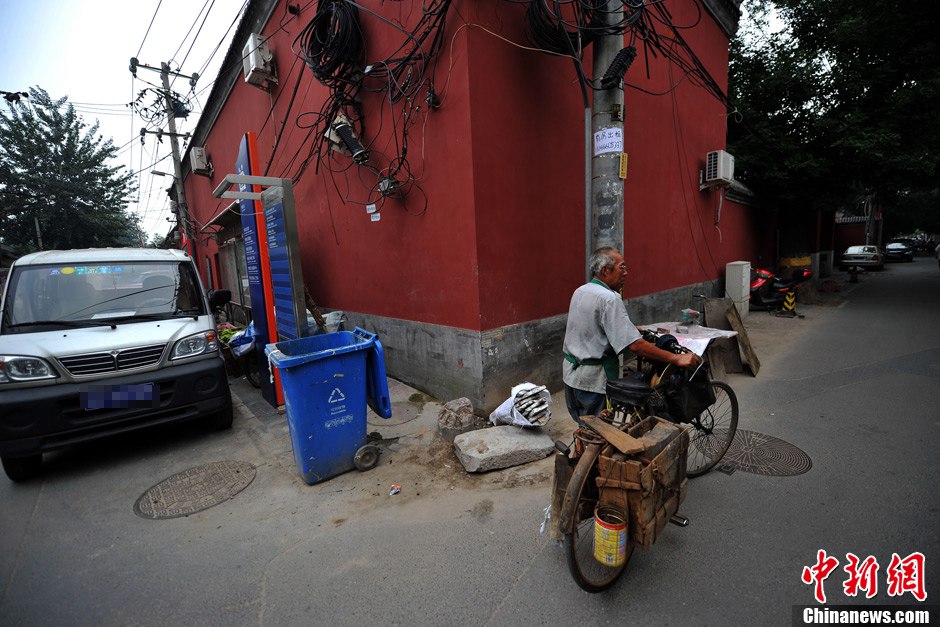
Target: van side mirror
219, 298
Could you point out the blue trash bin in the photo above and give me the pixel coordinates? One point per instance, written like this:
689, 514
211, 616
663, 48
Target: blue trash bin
325, 380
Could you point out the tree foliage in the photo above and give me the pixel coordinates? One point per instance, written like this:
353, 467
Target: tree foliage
839, 104
55, 169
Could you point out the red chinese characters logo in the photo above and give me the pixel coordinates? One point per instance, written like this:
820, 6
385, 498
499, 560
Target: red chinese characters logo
907, 575
903, 575
862, 576
819, 572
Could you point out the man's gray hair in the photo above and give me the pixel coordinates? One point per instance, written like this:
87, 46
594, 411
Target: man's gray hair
601, 258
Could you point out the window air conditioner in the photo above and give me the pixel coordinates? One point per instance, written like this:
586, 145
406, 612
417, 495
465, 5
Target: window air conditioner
258, 62
719, 168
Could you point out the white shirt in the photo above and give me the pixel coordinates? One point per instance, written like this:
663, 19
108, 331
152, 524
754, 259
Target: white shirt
598, 325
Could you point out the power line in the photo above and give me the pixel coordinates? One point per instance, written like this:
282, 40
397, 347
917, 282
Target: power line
149, 27
221, 41
191, 27
197, 33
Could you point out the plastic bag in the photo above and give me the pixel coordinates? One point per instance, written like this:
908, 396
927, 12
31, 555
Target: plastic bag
333, 321
244, 341
508, 412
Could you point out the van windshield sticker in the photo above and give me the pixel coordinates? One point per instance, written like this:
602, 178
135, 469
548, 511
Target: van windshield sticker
81, 270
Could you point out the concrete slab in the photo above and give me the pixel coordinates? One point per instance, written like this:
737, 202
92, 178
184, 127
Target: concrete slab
501, 447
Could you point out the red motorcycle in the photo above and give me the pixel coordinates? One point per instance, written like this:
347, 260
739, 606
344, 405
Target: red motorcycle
768, 291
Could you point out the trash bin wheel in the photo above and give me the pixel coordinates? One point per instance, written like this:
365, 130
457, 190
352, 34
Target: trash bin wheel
366, 457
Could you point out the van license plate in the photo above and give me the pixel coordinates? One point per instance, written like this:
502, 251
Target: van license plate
123, 396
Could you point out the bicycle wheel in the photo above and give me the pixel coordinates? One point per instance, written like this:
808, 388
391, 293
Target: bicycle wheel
712, 431
577, 516
252, 372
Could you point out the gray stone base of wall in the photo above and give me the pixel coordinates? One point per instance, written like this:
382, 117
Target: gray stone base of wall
449, 363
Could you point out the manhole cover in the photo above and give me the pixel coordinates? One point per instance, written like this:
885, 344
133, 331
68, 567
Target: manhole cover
761, 454
194, 490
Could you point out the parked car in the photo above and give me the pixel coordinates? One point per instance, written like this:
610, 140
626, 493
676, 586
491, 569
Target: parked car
862, 256
896, 251
103, 341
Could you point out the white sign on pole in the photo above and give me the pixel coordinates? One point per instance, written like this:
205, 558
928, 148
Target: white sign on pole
608, 140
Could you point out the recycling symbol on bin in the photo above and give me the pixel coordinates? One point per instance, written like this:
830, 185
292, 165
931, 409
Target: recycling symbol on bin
336, 396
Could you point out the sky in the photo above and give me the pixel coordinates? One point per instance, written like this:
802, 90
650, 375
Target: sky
82, 49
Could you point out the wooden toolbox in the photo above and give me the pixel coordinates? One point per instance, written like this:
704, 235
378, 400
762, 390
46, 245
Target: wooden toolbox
647, 486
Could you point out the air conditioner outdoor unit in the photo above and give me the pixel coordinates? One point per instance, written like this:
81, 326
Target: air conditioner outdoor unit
199, 161
719, 168
258, 62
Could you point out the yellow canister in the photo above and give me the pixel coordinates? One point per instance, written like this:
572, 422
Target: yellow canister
610, 536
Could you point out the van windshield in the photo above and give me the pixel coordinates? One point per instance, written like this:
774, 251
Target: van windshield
45, 297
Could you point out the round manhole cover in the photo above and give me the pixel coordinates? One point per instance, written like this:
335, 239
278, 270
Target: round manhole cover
761, 454
194, 490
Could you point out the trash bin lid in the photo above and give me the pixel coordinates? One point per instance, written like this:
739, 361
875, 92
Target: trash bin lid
377, 395
292, 353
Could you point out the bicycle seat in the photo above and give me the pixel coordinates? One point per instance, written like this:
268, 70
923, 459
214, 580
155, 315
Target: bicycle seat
628, 391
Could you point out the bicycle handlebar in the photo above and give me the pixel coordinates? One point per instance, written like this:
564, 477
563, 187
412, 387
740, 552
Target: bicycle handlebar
665, 341
669, 343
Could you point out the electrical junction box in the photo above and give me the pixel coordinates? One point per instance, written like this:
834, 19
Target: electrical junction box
738, 285
719, 168
199, 161
258, 62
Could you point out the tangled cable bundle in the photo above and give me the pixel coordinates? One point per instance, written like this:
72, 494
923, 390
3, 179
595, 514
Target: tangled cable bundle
331, 44
549, 30
332, 47
567, 26
404, 72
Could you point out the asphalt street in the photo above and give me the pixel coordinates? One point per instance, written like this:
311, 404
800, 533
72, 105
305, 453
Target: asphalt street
837, 452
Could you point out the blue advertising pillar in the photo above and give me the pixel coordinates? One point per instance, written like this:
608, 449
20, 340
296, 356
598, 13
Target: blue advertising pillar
255, 238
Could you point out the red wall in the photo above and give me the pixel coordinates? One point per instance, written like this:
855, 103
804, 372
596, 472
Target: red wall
495, 236
670, 231
419, 261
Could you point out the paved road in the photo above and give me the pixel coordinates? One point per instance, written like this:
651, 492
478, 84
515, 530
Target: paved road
853, 389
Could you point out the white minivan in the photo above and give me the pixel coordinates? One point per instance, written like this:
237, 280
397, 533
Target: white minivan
102, 341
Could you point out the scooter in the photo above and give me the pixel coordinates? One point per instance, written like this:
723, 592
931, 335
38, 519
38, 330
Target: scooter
768, 291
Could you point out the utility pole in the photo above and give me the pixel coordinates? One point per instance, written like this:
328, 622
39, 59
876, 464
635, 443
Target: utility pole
182, 208
608, 163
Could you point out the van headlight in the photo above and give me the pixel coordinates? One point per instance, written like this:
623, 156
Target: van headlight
24, 368
198, 344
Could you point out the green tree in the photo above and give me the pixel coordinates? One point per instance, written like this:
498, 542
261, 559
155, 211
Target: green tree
839, 104
56, 183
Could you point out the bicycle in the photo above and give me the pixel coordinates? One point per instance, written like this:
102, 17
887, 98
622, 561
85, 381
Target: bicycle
706, 414
709, 407
244, 364
240, 357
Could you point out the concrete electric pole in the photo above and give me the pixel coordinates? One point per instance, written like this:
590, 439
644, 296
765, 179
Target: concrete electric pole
608, 163
182, 208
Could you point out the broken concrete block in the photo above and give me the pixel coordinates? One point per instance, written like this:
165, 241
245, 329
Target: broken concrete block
501, 447
456, 417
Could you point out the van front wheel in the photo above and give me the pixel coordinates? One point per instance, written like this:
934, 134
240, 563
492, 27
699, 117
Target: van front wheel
221, 420
22, 468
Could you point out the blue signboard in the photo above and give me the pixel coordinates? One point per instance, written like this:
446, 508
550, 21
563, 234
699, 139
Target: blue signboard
259, 312
286, 282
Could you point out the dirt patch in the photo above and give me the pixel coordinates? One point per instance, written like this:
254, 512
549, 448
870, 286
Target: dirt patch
420, 399
515, 480
483, 510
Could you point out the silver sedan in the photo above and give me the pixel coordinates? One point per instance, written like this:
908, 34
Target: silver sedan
862, 256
